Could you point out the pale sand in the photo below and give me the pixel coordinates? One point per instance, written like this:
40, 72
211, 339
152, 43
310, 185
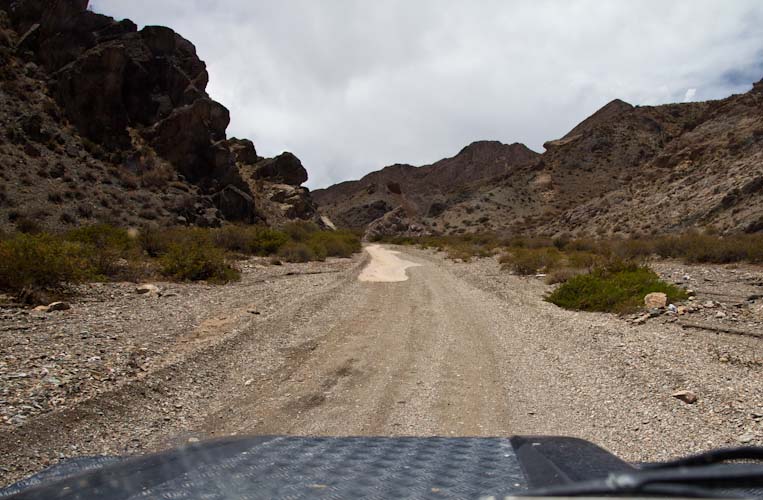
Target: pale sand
385, 266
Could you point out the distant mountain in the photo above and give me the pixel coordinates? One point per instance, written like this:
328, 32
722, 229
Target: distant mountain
625, 170
102, 122
424, 191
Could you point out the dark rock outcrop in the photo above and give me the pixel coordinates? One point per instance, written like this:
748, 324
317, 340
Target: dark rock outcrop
285, 168
128, 90
243, 150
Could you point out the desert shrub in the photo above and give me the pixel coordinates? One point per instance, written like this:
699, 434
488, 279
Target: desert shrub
527, 261
194, 257
157, 177
300, 231
103, 246
340, 243
250, 240
25, 224
39, 261
562, 275
155, 241
297, 252
619, 288
583, 260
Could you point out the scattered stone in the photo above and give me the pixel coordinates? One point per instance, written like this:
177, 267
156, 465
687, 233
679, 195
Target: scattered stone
687, 397
720, 315
249, 382
708, 304
58, 306
41, 309
673, 309
655, 300
147, 289
746, 438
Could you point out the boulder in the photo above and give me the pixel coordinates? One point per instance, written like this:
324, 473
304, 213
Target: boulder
243, 150
687, 397
285, 168
296, 201
235, 204
147, 289
656, 300
58, 306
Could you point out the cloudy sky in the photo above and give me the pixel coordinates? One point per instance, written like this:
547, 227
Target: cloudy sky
352, 85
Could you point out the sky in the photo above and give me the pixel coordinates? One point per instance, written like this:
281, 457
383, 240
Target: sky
350, 86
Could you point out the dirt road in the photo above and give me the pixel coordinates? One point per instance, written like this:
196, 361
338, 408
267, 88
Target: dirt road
453, 350
442, 354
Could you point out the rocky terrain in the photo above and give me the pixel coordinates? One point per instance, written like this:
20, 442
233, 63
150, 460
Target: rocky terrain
626, 170
426, 192
458, 349
102, 122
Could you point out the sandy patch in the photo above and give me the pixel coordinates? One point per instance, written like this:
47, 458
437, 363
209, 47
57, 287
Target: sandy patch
385, 266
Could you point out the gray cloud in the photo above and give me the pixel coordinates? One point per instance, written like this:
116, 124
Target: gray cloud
351, 86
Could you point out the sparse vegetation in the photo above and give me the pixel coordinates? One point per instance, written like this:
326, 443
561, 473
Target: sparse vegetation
609, 275
33, 259
618, 288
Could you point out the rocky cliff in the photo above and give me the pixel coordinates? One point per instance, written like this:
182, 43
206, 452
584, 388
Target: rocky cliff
105, 122
625, 170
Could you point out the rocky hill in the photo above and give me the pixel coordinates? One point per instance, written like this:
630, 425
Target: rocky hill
626, 170
422, 191
100, 121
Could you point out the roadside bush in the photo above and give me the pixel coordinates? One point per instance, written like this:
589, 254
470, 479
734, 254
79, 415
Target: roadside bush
254, 240
527, 261
562, 275
297, 252
339, 243
620, 288
103, 246
39, 261
194, 257
300, 231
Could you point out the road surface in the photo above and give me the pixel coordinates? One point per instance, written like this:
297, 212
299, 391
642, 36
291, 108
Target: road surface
404, 342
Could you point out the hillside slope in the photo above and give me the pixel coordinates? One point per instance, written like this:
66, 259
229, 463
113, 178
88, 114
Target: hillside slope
424, 191
625, 170
102, 122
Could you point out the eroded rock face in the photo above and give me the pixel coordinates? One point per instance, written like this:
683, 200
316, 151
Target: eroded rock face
126, 90
394, 223
188, 138
235, 204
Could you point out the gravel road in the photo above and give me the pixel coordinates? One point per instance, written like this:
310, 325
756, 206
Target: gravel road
455, 350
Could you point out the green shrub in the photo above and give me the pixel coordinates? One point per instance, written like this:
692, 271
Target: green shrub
339, 243
527, 261
619, 288
250, 240
40, 261
155, 241
197, 259
103, 246
297, 252
300, 231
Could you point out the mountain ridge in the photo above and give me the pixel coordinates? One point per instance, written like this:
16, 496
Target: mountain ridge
624, 170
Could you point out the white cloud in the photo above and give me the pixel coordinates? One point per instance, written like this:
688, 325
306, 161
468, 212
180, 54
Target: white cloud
689, 96
351, 86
